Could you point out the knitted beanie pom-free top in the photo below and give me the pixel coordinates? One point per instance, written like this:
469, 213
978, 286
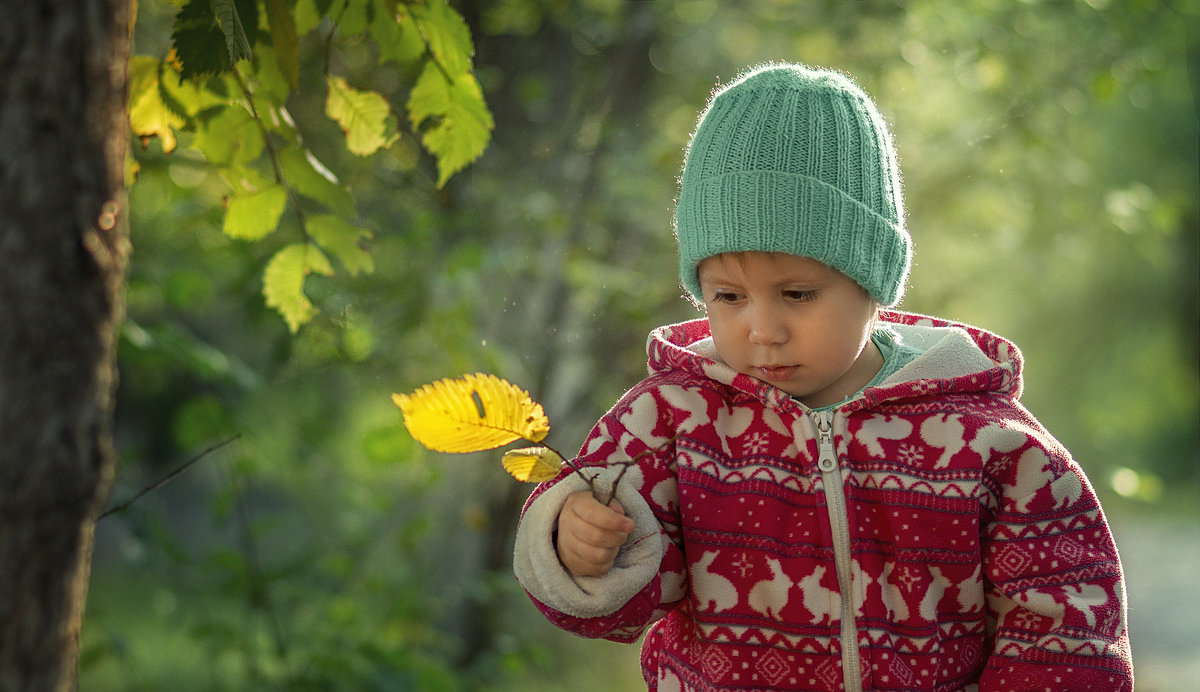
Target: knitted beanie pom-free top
793, 159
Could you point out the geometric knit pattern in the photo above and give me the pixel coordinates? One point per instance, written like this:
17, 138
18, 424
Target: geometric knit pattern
979, 557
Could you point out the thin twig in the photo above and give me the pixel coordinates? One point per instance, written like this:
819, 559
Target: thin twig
576, 468
631, 462
163, 481
624, 464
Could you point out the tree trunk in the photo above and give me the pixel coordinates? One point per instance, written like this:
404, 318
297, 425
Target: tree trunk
63, 250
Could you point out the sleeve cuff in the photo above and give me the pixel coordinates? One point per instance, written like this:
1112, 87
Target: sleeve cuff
539, 571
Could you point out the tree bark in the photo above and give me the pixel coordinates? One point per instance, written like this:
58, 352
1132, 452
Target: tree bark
63, 250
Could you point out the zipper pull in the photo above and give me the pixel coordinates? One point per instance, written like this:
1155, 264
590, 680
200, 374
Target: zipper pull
828, 455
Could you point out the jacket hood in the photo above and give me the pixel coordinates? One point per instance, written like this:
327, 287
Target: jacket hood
955, 359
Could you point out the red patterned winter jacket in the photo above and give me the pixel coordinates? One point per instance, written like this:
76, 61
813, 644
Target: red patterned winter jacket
927, 535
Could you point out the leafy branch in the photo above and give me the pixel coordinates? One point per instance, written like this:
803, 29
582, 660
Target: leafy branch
231, 70
479, 412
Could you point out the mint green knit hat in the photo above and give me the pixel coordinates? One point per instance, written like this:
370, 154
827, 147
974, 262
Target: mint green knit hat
794, 159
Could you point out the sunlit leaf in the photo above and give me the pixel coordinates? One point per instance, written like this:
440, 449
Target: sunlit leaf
306, 175
254, 215
148, 115
268, 81
192, 97
341, 239
283, 281
363, 116
471, 414
228, 135
396, 34
448, 35
451, 115
532, 464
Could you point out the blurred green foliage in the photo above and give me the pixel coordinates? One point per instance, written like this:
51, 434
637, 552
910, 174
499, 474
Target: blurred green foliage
1049, 151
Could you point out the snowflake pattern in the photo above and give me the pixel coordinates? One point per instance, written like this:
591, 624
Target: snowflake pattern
909, 578
1001, 463
910, 455
743, 564
758, 443
1026, 619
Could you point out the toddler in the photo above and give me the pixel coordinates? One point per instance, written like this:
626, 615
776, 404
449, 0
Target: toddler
832, 495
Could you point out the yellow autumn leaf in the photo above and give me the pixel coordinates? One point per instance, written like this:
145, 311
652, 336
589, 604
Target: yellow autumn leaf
532, 464
472, 413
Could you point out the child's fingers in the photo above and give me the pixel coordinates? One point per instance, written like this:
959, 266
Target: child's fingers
588, 510
590, 535
585, 560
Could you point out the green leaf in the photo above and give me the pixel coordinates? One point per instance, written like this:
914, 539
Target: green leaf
283, 282
307, 176
396, 34
453, 120
254, 215
267, 81
228, 135
341, 239
362, 115
198, 42
354, 19
188, 96
230, 21
284, 37
149, 116
447, 33
307, 16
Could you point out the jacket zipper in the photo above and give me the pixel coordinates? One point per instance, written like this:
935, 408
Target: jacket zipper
835, 503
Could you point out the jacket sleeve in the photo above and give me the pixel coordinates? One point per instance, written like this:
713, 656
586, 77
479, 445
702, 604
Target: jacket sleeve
1055, 590
647, 578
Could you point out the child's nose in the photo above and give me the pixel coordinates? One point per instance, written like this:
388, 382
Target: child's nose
766, 328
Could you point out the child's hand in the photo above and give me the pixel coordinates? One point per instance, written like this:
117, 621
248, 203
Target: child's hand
590, 534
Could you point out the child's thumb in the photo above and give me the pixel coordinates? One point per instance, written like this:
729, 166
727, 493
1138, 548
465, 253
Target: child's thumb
627, 523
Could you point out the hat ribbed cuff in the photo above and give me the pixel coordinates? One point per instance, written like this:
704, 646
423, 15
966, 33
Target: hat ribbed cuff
771, 211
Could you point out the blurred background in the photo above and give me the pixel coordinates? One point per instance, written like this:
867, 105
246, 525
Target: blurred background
1049, 153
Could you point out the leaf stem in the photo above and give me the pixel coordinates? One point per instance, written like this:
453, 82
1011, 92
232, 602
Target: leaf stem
624, 464
574, 467
273, 154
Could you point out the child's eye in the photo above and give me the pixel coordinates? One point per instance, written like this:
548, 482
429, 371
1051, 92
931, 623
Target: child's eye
724, 297
799, 295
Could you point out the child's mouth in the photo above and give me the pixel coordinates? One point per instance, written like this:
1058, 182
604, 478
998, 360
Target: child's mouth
777, 373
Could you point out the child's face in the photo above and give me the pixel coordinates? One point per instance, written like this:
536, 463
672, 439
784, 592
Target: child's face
792, 322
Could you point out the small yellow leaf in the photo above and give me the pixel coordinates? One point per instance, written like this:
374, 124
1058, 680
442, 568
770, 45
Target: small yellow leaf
471, 414
532, 464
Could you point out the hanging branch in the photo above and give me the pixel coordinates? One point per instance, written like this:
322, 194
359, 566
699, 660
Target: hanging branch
165, 479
